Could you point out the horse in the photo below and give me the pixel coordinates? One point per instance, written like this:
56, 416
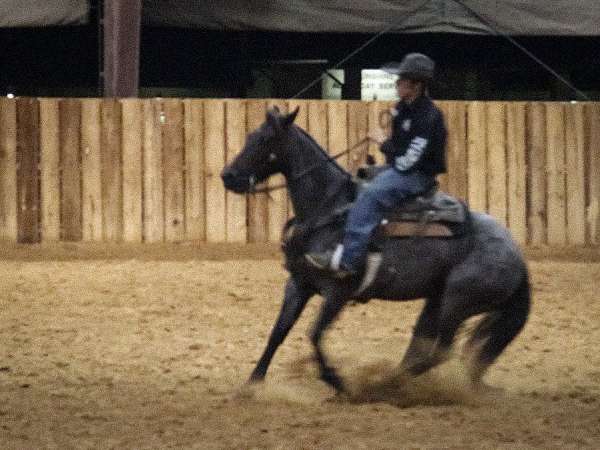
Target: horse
481, 272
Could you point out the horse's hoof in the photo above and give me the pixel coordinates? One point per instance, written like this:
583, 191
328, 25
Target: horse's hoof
331, 378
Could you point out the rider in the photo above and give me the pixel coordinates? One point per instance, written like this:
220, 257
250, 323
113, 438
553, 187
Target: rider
415, 152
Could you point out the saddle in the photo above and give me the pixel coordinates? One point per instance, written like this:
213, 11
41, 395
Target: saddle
431, 214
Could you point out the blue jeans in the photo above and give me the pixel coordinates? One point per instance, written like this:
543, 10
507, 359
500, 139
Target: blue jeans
385, 192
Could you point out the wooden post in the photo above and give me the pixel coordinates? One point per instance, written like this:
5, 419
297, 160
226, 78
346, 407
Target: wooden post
277, 209
317, 122
235, 121
555, 169
517, 170
122, 23
154, 223
8, 170
70, 162
173, 164
496, 168
132, 144
112, 193
477, 156
593, 176
195, 195
28, 156
358, 113
214, 132
49, 169
575, 172
536, 170
302, 122
258, 206
91, 169
457, 149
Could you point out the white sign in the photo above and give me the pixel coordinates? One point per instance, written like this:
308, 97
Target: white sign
377, 85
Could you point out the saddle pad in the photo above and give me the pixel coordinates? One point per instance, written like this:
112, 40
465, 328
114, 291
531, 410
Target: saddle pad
406, 229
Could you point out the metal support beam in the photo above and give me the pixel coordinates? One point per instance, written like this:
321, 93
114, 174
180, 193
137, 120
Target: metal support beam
121, 24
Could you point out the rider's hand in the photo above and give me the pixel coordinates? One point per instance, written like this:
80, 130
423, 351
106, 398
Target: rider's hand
378, 135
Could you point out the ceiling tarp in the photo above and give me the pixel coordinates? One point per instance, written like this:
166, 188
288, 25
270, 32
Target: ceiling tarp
39, 13
519, 17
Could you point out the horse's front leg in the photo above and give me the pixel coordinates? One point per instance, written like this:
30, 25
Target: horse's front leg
294, 301
332, 306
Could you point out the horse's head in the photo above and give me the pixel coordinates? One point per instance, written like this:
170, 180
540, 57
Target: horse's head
263, 154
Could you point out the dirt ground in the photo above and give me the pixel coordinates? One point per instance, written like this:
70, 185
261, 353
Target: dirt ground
149, 347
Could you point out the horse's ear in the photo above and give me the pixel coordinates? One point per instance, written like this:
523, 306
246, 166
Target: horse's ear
288, 119
273, 117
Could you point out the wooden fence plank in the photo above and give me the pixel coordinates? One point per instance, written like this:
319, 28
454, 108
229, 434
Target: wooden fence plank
443, 179
477, 155
153, 216
536, 173
112, 199
593, 176
28, 156
517, 170
173, 165
258, 206
317, 122
456, 124
235, 121
70, 162
575, 172
195, 199
358, 115
496, 148
555, 169
278, 198
376, 109
8, 170
132, 144
302, 122
337, 129
91, 170
49, 169
214, 133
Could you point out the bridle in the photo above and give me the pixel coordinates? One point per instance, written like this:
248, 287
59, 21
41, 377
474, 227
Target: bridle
328, 160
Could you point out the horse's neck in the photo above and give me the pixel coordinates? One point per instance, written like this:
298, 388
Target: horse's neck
323, 189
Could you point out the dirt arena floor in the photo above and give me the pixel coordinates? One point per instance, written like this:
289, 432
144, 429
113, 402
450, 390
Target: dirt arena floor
149, 348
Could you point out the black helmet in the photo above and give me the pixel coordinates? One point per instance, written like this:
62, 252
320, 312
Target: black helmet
414, 66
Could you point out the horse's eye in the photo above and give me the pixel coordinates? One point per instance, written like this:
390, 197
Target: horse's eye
272, 157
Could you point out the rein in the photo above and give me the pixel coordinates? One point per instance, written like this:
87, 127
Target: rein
305, 172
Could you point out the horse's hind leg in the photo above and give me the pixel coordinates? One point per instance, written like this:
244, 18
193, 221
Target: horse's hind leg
496, 331
424, 335
294, 301
456, 305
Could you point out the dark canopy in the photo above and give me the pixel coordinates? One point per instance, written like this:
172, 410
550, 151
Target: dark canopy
37, 13
522, 17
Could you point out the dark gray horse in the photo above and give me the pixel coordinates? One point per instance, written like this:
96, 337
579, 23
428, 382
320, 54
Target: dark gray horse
482, 271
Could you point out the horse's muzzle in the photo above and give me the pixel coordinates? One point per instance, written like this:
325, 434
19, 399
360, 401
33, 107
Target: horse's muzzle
233, 181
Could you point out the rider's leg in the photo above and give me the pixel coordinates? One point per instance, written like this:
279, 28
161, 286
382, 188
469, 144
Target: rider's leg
385, 192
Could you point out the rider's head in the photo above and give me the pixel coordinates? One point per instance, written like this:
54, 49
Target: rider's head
415, 72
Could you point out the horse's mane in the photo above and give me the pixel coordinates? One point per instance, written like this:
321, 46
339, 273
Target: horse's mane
322, 151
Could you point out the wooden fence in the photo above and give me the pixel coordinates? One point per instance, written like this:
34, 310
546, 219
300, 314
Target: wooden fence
148, 170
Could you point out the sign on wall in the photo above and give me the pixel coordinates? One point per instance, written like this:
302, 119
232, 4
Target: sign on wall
377, 85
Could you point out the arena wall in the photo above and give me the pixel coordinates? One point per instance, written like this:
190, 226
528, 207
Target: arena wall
147, 170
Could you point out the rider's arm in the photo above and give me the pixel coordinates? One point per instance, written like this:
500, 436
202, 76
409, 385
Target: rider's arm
424, 134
